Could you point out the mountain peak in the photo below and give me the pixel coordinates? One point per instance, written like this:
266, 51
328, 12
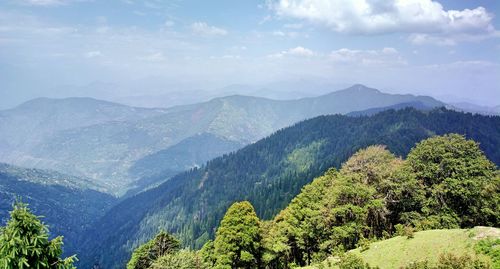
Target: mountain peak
361, 88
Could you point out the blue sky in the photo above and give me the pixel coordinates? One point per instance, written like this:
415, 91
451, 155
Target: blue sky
57, 48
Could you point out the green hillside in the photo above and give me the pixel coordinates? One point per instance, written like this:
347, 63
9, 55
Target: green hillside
445, 184
268, 173
401, 251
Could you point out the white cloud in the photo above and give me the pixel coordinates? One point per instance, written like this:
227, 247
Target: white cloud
202, 28
391, 16
383, 57
93, 54
286, 34
297, 51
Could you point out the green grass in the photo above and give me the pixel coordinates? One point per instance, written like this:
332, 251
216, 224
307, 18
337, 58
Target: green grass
426, 245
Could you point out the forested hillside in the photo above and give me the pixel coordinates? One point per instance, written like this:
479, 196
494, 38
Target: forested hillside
68, 204
269, 174
444, 184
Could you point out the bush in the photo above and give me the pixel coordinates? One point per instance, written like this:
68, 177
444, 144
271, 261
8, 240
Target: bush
491, 248
351, 261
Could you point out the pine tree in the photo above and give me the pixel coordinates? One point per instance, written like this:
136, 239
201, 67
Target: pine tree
24, 243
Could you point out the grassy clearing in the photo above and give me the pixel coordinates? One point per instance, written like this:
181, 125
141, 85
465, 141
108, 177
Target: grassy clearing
426, 245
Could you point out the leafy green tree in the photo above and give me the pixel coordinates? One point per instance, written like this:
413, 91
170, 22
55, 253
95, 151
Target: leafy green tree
144, 256
238, 240
24, 243
461, 188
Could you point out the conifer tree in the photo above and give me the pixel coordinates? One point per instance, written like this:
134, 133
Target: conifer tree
24, 243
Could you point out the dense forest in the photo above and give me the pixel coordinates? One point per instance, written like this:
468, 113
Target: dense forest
445, 182
268, 174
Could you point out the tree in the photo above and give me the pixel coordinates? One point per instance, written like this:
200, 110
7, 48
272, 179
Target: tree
24, 243
144, 256
460, 183
238, 240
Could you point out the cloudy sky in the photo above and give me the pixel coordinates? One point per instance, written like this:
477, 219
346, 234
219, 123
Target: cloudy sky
447, 49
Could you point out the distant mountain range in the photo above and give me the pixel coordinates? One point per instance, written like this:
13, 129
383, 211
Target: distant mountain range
110, 143
68, 204
268, 173
473, 108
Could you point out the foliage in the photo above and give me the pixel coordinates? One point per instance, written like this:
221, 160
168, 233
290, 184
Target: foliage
491, 248
458, 179
146, 254
375, 193
238, 240
24, 243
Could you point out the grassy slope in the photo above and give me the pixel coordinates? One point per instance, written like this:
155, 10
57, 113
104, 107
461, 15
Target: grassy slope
400, 251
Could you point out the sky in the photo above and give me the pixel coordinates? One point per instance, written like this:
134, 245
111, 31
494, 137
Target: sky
60, 48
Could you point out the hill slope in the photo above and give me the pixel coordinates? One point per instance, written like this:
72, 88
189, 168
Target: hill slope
102, 140
69, 204
400, 251
269, 174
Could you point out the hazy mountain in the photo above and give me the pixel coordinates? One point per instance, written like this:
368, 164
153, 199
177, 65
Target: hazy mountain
102, 140
30, 123
268, 173
473, 108
68, 204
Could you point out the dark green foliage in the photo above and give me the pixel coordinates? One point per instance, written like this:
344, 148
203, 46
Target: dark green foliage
238, 240
270, 172
24, 243
144, 256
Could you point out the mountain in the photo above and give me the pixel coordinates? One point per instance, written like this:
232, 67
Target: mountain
268, 173
103, 141
191, 152
473, 108
68, 204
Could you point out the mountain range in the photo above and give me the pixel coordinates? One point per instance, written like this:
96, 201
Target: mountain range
117, 145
